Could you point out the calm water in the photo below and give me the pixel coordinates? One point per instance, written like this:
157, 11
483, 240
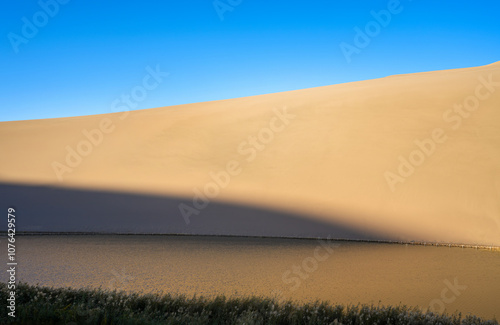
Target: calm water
466, 280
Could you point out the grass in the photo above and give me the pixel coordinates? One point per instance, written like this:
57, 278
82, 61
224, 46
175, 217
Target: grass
43, 305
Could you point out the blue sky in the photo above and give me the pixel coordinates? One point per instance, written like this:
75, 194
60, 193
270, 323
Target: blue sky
83, 55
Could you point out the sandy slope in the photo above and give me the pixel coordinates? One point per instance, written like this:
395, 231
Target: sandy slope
393, 156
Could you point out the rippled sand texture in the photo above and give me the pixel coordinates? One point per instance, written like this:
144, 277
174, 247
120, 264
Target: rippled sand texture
341, 272
406, 157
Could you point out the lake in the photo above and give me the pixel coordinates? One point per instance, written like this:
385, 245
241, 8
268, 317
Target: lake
439, 278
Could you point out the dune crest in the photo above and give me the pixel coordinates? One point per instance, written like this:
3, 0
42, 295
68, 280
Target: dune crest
408, 157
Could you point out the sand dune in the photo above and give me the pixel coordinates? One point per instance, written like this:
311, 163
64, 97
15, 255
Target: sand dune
406, 157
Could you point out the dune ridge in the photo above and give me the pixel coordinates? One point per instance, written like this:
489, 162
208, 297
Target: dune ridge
411, 157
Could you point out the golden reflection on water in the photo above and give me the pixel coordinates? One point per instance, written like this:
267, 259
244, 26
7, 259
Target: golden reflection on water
466, 280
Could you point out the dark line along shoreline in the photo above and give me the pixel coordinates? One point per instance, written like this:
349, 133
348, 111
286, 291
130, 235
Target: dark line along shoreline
3, 234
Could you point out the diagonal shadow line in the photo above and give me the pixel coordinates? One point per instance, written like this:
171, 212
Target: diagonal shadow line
52, 209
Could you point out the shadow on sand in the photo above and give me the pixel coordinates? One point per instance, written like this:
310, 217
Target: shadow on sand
53, 209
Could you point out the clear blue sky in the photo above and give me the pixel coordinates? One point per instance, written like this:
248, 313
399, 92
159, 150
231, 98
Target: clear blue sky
88, 53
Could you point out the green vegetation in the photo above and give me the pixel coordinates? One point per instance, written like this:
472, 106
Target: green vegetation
42, 305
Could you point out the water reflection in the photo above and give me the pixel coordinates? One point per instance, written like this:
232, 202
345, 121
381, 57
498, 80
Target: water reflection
466, 280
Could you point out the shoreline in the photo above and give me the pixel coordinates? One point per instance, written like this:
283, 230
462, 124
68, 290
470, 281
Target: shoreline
3, 234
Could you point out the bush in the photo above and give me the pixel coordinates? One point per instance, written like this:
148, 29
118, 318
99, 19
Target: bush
43, 305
